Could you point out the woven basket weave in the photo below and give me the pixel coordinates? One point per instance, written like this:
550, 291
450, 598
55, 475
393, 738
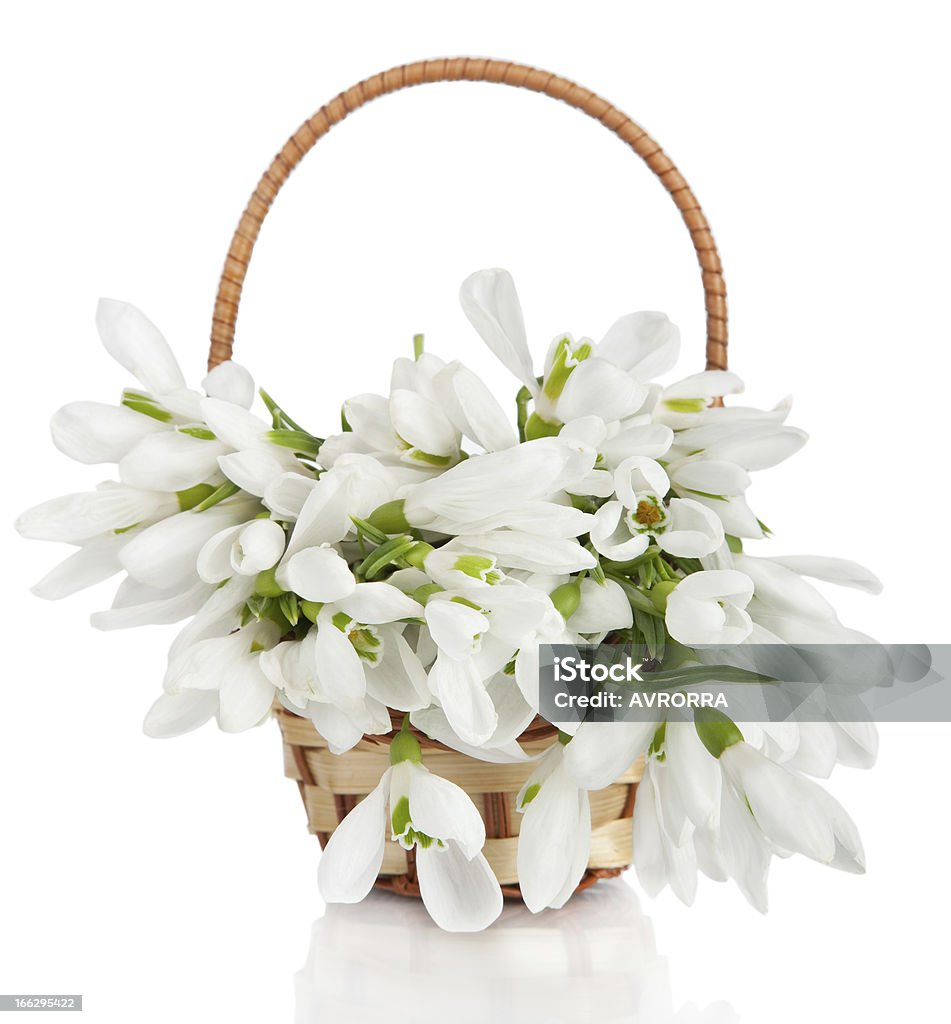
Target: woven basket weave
331, 785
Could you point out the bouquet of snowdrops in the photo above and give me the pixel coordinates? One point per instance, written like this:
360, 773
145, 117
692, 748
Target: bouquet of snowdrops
415, 561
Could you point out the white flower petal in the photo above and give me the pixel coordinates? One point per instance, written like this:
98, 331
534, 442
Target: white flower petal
601, 752
398, 679
603, 607
176, 713
646, 344
651, 440
473, 409
694, 773
258, 546
253, 470
464, 699
214, 559
245, 696
440, 808
712, 476
166, 554
611, 537
152, 607
786, 806
317, 574
170, 461
234, 426
454, 627
422, 423
518, 549
74, 518
706, 384
832, 570
694, 530
461, 895
95, 561
230, 382
596, 387
554, 839
369, 418
135, 343
335, 725
374, 603
352, 858
338, 666
286, 494
491, 305
92, 432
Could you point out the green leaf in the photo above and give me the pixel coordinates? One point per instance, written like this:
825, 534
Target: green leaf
693, 674
369, 531
380, 557
191, 497
278, 416
289, 608
655, 635
635, 597
297, 440
219, 494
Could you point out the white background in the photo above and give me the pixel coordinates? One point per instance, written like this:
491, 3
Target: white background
175, 880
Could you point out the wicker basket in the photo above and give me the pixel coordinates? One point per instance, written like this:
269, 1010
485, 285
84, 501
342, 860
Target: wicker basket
331, 785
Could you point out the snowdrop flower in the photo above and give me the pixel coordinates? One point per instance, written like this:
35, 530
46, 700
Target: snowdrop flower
474, 642
794, 812
708, 607
246, 549
507, 488
580, 378
555, 834
252, 461
352, 642
658, 859
623, 528
431, 407
75, 518
430, 815
219, 676
291, 667
601, 752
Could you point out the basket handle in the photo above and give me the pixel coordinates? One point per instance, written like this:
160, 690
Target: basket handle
466, 69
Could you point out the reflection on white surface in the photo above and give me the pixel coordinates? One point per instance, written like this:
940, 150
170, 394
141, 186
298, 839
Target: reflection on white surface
595, 960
